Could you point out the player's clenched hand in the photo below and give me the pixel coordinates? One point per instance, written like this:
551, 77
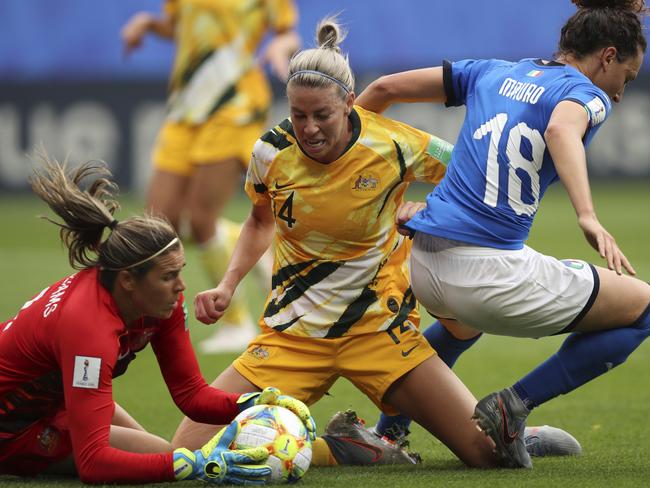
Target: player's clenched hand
272, 396
210, 305
216, 463
603, 242
404, 213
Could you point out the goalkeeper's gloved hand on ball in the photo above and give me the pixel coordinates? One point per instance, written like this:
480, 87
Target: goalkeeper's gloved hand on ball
216, 463
272, 396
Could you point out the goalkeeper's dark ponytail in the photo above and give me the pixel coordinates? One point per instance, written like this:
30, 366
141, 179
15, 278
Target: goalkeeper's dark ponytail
87, 214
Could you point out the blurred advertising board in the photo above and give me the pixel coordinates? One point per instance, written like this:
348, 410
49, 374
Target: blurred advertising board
118, 121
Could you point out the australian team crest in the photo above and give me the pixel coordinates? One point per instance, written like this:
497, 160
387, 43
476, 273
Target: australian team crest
259, 352
365, 182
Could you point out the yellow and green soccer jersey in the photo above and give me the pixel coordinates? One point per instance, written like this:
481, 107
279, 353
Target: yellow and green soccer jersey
215, 56
340, 264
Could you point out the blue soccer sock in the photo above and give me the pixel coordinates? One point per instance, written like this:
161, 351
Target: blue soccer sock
449, 350
446, 345
582, 357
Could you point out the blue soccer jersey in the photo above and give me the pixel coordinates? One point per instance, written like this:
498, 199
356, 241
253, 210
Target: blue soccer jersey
500, 167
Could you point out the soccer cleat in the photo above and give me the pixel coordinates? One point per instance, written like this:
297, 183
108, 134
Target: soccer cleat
550, 441
229, 338
352, 444
396, 433
502, 416
541, 441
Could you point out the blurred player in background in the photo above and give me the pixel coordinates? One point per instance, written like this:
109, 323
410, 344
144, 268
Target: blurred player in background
326, 185
526, 126
217, 107
60, 353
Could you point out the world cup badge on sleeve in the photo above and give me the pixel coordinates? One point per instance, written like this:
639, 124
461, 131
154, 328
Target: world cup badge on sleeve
86, 372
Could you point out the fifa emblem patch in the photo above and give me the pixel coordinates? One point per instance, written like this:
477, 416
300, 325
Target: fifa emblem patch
86, 372
572, 263
365, 182
259, 352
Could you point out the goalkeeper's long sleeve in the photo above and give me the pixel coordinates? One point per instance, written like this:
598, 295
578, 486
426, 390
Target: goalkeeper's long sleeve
180, 369
110, 465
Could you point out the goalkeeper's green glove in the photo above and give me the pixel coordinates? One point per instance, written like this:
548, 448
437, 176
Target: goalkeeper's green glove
272, 396
216, 463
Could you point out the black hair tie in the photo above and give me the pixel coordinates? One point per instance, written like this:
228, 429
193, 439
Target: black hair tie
113, 224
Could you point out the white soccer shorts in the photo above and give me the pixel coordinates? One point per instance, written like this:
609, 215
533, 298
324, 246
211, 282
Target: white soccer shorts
519, 293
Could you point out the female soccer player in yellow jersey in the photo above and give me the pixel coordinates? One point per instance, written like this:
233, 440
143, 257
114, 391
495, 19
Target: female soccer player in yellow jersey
326, 185
217, 108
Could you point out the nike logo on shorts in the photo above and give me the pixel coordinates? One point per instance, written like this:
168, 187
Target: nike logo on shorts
408, 351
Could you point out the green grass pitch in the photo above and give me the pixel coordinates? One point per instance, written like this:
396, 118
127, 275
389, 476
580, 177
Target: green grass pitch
608, 416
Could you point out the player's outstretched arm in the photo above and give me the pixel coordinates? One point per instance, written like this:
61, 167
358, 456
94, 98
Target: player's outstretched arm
420, 85
563, 137
138, 26
254, 240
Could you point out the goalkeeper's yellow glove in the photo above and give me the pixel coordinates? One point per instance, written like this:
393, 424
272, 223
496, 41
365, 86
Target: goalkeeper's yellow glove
216, 463
272, 396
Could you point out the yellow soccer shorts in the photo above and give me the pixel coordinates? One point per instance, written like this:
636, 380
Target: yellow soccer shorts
180, 146
306, 367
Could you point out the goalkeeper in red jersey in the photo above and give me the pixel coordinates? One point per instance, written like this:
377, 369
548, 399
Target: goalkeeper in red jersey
60, 353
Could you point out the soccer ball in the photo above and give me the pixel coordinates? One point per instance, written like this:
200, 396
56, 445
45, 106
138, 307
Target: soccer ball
282, 433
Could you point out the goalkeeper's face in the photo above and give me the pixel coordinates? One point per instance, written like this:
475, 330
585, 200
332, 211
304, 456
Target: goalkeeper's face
320, 120
156, 294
